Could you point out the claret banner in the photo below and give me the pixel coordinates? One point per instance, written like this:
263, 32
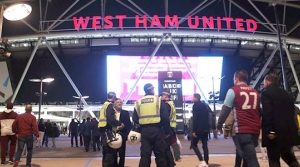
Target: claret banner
194, 22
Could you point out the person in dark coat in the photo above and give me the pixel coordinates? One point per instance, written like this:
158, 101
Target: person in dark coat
95, 134
74, 132
279, 130
122, 116
87, 132
48, 126
80, 127
200, 128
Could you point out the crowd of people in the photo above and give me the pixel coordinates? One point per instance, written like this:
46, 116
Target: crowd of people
272, 124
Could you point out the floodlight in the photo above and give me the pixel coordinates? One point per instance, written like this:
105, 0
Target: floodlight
17, 11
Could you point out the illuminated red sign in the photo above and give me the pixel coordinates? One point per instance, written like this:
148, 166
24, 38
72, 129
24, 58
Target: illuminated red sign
194, 22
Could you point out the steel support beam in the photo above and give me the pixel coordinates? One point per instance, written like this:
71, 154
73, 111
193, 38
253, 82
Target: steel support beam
293, 28
280, 48
264, 68
149, 61
102, 13
184, 18
25, 70
139, 8
203, 7
280, 3
72, 14
262, 15
45, 14
64, 71
248, 13
283, 19
224, 6
166, 7
62, 15
229, 10
130, 8
41, 15
291, 65
187, 67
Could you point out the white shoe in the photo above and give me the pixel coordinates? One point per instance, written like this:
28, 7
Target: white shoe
202, 164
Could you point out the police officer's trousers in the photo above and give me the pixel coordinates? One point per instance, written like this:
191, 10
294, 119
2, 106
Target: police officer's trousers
152, 140
168, 153
109, 154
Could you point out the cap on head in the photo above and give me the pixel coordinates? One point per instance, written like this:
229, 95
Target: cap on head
111, 95
9, 105
148, 87
165, 93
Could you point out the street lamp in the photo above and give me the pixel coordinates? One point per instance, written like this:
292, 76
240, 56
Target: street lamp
80, 103
17, 11
41, 90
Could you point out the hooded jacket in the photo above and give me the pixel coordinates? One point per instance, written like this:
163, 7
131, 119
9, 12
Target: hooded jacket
7, 118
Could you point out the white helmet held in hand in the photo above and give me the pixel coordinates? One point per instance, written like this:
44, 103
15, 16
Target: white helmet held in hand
114, 140
134, 137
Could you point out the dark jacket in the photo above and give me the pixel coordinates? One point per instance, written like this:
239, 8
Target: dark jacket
278, 116
200, 118
41, 127
164, 118
87, 129
95, 129
125, 119
54, 132
110, 118
48, 128
73, 127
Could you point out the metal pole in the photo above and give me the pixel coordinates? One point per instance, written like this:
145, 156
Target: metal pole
251, 15
41, 17
41, 98
66, 11
139, 8
45, 15
292, 65
187, 67
64, 71
72, 14
1, 20
184, 18
264, 68
140, 76
262, 15
25, 70
280, 49
80, 107
214, 99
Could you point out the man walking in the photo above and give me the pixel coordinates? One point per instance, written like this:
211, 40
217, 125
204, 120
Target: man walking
74, 132
25, 126
244, 101
200, 129
279, 130
7, 118
150, 112
80, 127
87, 133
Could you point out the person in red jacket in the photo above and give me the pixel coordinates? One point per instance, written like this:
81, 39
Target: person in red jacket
7, 118
25, 127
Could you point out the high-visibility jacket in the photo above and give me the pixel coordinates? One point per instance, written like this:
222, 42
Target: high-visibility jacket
102, 119
172, 114
148, 109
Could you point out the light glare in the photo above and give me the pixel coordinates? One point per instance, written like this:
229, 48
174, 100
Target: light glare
17, 11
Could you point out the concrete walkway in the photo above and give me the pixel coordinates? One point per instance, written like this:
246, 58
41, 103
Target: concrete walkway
221, 154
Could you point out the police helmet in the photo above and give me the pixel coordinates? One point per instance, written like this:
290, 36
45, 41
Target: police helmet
113, 139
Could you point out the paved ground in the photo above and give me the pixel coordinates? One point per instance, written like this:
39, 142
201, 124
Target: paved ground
221, 154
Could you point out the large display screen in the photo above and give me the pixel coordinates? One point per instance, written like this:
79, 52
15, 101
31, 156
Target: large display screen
123, 72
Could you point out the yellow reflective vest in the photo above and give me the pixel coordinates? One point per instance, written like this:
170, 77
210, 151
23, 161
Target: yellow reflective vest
148, 109
172, 114
102, 119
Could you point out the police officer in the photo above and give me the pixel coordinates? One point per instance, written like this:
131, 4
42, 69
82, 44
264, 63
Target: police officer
150, 112
107, 121
165, 97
